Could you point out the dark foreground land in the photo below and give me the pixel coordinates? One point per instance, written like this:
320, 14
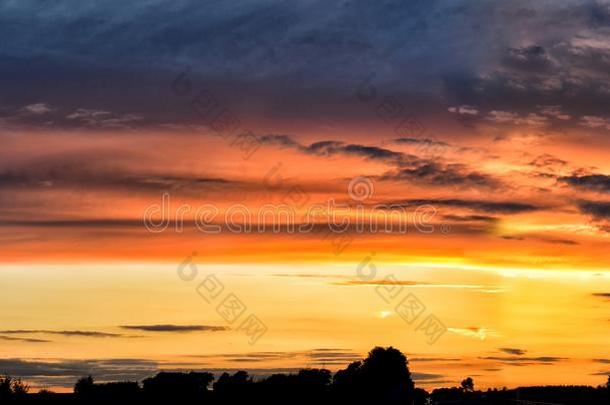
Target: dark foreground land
382, 378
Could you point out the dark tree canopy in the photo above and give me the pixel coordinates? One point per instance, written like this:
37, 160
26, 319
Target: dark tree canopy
467, 384
383, 376
84, 386
191, 385
12, 388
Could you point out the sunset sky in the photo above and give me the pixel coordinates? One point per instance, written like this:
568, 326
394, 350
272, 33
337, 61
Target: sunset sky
485, 123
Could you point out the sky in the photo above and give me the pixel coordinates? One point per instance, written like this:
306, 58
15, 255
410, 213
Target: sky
321, 164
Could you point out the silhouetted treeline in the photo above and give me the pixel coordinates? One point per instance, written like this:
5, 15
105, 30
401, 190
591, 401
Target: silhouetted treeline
383, 377
563, 394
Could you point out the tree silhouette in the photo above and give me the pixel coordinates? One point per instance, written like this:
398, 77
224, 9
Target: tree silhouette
467, 384
310, 385
12, 388
233, 388
275, 389
348, 378
383, 377
84, 386
168, 386
6, 388
314, 380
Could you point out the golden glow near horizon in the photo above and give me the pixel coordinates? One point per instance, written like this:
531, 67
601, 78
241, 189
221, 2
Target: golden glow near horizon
309, 307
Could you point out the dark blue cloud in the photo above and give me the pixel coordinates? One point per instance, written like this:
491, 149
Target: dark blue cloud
299, 58
590, 182
599, 210
175, 328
